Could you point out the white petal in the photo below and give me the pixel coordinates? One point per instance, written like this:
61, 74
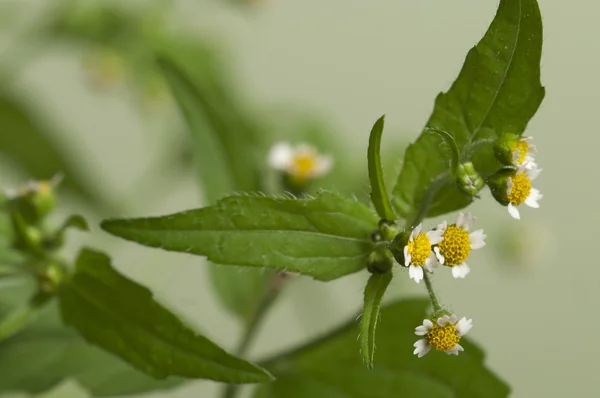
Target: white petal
421, 330
532, 199
533, 173
280, 156
452, 319
513, 211
439, 255
477, 239
443, 321
455, 350
415, 272
442, 227
526, 139
460, 220
509, 185
428, 324
417, 230
430, 262
435, 236
422, 347
323, 165
461, 270
11, 193
407, 257
463, 326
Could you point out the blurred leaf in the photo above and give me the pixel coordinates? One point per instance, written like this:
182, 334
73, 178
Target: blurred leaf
121, 316
224, 165
28, 143
21, 316
374, 291
75, 221
325, 237
46, 353
497, 91
332, 367
379, 195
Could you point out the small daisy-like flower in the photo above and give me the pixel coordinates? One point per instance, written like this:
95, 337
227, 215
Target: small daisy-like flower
443, 335
301, 163
523, 151
418, 253
457, 243
519, 189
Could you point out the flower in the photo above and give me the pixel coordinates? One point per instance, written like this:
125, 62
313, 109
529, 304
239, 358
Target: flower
457, 243
519, 190
443, 335
418, 253
301, 163
523, 151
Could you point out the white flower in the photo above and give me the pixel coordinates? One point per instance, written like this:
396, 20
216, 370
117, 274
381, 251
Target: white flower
418, 253
457, 243
302, 162
443, 335
523, 151
519, 189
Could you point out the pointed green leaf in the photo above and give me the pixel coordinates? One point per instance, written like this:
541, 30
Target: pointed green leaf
379, 195
374, 292
28, 143
121, 316
75, 221
21, 316
325, 237
498, 90
46, 352
332, 367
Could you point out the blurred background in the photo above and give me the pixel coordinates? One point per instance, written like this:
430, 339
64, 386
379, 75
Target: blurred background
79, 93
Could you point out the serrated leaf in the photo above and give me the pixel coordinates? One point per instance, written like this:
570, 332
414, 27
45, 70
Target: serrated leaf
326, 237
498, 90
45, 353
121, 316
28, 143
379, 195
374, 291
332, 367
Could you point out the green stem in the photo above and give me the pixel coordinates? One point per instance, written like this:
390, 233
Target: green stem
434, 301
268, 298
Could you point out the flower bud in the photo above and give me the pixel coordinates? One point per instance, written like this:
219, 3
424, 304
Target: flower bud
468, 180
504, 147
498, 184
33, 201
380, 261
398, 245
388, 229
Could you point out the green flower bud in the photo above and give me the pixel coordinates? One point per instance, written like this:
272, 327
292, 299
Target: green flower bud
498, 184
34, 201
504, 147
397, 246
49, 278
468, 180
380, 261
388, 229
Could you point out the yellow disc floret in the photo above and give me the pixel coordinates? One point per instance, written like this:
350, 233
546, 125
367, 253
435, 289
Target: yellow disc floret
456, 245
521, 187
443, 338
303, 165
419, 249
523, 148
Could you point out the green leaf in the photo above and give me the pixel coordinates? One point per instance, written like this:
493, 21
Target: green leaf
21, 316
379, 195
325, 237
498, 90
332, 367
374, 292
45, 353
75, 221
28, 143
121, 316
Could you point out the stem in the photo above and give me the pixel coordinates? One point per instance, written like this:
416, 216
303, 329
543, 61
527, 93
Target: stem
434, 301
268, 298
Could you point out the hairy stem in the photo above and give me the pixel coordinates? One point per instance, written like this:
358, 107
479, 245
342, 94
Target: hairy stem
434, 301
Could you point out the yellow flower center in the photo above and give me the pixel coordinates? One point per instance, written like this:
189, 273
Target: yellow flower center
522, 147
456, 245
443, 338
303, 165
521, 186
419, 249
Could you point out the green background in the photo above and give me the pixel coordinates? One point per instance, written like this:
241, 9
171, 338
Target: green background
534, 309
